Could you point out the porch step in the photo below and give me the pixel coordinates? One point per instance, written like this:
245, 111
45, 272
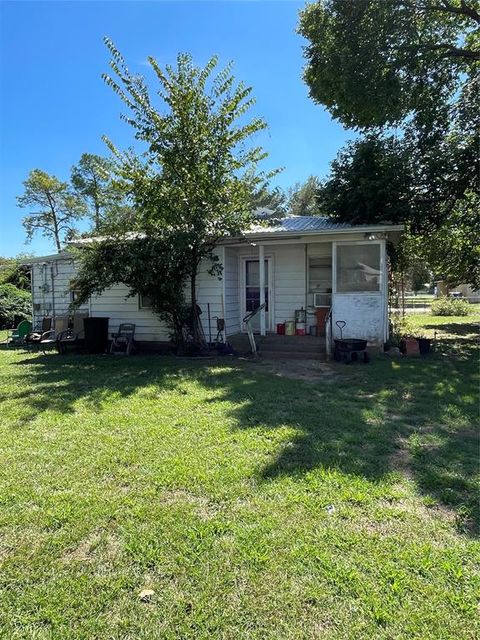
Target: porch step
294, 346
293, 355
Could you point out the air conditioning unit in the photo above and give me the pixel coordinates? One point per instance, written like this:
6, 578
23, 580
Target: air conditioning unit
322, 299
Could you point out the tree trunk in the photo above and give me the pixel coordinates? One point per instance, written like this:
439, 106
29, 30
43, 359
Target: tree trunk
56, 232
193, 302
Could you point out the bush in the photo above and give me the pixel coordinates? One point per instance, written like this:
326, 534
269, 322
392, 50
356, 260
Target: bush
446, 306
15, 305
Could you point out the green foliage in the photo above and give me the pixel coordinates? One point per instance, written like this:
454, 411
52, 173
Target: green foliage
453, 250
446, 306
372, 62
93, 178
12, 271
56, 207
303, 199
153, 266
193, 184
369, 183
15, 305
412, 65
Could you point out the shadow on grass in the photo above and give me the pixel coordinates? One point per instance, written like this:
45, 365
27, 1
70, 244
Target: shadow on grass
465, 330
413, 416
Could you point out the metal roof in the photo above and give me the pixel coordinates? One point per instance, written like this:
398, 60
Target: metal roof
296, 224
314, 224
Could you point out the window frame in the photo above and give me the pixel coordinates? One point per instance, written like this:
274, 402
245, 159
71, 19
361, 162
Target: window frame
141, 305
345, 243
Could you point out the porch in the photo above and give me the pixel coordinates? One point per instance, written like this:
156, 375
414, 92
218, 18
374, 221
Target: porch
345, 276
277, 346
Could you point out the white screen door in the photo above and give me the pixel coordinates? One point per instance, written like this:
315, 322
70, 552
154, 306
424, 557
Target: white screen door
251, 291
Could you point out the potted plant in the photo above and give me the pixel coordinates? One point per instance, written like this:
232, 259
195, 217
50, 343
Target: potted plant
408, 342
423, 344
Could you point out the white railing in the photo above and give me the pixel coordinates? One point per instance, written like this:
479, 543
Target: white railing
247, 320
328, 334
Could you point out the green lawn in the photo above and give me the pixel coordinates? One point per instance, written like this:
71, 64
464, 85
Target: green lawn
253, 505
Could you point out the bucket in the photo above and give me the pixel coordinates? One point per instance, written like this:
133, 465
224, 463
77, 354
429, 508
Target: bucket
281, 328
300, 315
300, 328
290, 328
313, 329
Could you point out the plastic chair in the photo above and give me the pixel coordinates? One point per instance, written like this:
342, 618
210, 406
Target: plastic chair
17, 336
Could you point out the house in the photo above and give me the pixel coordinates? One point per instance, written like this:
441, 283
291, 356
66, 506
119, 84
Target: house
294, 263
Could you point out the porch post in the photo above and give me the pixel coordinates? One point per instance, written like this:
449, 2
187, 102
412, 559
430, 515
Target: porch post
261, 271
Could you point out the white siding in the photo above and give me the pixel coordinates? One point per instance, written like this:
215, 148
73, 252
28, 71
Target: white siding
232, 290
114, 302
289, 279
210, 291
53, 300
363, 314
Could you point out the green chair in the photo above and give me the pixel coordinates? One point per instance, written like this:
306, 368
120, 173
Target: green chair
17, 336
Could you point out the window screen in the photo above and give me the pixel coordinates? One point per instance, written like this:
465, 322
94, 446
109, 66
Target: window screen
358, 268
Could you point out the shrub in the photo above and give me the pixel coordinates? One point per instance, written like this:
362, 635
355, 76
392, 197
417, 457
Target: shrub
446, 306
15, 305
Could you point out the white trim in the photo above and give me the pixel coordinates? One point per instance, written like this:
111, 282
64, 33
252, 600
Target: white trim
261, 284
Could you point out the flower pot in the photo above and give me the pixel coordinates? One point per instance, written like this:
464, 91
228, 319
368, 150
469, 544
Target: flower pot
409, 346
424, 346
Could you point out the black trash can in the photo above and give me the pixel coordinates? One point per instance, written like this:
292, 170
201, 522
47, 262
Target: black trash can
96, 334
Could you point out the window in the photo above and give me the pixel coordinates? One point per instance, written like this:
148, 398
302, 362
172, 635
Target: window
358, 268
144, 302
73, 292
252, 285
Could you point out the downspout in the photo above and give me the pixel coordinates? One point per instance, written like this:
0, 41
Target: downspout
53, 295
32, 290
306, 282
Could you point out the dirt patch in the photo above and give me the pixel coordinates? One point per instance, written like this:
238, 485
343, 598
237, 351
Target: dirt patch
97, 545
306, 370
203, 507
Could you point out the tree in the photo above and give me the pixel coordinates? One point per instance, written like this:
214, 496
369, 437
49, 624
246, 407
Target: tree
303, 198
15, 305
193, 184
453, 251
370, 182
13, 271
372, 62
93, 178
58, 208
405, 73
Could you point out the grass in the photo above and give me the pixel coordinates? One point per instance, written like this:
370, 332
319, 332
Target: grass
253, 506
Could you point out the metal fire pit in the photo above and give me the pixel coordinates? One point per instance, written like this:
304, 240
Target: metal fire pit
349, 349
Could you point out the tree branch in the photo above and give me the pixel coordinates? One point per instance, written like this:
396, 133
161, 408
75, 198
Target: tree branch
463, 10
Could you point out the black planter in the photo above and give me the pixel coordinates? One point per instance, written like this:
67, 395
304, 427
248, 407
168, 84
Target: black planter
424, 346
96, 334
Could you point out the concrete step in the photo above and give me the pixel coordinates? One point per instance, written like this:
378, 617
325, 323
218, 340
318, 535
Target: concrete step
301, 348
292, 355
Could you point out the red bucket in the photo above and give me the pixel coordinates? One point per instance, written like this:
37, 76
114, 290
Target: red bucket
281, 328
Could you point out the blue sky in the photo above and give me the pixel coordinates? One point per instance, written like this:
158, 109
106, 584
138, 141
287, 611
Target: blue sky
54, 105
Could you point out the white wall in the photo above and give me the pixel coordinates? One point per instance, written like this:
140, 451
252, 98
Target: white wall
231, 278
114, 302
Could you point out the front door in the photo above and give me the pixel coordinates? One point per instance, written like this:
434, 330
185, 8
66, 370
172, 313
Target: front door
251, 292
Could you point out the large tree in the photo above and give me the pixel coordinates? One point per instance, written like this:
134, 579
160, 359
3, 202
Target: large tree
303, 197
54, 207
405, 74
194, 181
93, 178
